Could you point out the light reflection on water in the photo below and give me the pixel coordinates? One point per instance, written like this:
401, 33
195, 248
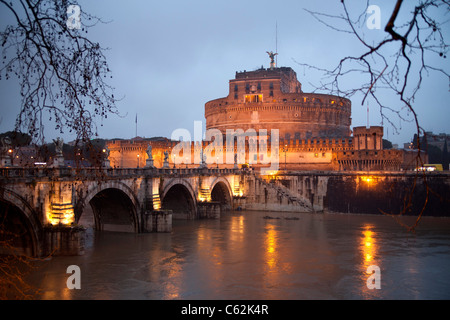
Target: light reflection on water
243, 256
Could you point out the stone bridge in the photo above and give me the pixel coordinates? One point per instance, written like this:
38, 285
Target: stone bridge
44, 207
45, 211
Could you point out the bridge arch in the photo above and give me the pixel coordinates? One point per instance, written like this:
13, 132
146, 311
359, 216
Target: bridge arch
20, 225
221, 192
179, 196
113, 206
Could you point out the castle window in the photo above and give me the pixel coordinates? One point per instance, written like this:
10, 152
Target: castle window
271, 85
235, 88
253, 98
271, 93
259, 86
235, 95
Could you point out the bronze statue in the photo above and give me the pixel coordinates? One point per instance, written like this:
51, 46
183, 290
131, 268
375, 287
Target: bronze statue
59, 143
272, 56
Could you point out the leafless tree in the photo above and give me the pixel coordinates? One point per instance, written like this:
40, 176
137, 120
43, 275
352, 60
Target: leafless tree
63, 75
396, 64
63, 80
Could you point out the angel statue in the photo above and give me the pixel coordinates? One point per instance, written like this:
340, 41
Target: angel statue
106, 151
6, 144
272, 58
149, 152
59, 143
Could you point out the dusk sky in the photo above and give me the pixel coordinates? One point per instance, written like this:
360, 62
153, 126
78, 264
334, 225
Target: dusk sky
170, 57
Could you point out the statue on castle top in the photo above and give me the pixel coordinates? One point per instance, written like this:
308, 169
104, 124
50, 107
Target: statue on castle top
272, 58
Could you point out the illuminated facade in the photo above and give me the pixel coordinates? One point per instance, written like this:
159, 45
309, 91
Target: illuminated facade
273, 99
314, 131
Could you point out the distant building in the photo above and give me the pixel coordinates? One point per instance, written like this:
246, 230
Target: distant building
437, 140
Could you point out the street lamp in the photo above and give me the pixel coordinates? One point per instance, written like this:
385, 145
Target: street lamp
138, 160
285, 150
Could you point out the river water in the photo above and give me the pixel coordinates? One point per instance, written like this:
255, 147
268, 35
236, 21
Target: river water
245, 256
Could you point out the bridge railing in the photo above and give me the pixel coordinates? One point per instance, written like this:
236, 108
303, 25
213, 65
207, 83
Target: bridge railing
41, 172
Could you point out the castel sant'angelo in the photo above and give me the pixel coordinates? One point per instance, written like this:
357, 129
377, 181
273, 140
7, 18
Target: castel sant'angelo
314, 130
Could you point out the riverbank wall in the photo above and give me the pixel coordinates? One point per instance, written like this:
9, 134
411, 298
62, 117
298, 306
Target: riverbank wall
407, 193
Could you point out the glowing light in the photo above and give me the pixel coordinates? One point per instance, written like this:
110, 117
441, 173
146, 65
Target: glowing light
237, 192
368, 245
271, 246
61, 214
369, 180
204, 195
271, 172
156, 202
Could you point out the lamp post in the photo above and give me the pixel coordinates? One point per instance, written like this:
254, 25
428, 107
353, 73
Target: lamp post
285, 150
138, 160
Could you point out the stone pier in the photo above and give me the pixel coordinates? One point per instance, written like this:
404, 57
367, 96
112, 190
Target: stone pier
157, 221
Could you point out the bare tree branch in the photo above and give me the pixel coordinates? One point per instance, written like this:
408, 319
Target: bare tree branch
395, 64
63, 75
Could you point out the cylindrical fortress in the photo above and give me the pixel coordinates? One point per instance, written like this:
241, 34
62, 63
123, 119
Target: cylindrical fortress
273, 99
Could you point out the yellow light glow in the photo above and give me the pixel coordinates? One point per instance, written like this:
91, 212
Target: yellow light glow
60, 214
369, 180
271, 246
204, 194
368, 246
237, 192
156, 202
